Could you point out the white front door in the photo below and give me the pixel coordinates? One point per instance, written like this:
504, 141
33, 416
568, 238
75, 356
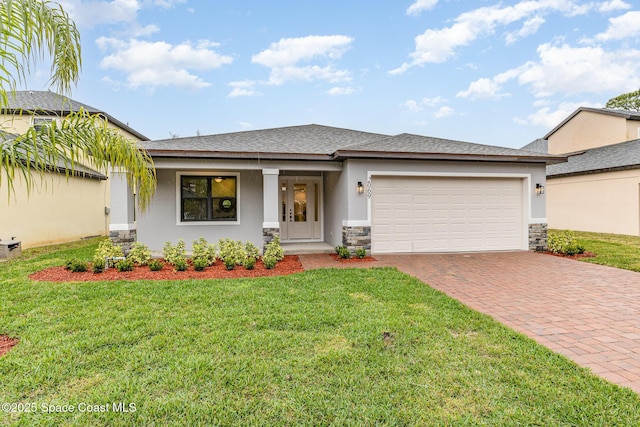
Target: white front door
300, 208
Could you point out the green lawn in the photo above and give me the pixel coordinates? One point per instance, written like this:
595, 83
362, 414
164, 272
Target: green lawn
615, 250
325, 347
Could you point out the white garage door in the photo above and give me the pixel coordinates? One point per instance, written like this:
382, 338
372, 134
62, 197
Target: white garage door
429, 214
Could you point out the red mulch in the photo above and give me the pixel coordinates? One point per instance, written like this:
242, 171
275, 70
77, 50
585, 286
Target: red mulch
576, 256
289, 265
338, 258
6, 344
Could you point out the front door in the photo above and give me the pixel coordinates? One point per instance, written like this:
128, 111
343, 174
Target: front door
300, 208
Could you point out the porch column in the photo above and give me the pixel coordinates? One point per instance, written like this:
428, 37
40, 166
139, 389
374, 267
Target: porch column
122, 227
270, 200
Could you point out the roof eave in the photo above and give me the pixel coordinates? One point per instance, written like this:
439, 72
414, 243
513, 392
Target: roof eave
594, 171
197, 154
550, 159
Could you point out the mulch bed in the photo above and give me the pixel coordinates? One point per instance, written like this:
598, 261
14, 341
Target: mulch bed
6, 344
289, 265
577, 256
338, 258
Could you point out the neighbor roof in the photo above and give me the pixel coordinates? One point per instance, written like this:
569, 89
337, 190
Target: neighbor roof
317, 142
54, 103
625, 155
628, 115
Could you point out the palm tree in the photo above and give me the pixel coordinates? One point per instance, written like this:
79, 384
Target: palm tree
30, 30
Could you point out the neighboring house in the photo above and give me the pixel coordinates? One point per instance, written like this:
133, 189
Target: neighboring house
59, 209
598, 189
403, 193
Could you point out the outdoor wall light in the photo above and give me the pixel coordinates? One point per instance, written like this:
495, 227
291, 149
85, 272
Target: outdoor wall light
539, 189
360, 188
218, 179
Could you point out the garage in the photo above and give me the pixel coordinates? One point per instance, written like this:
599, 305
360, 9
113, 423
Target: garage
446, 214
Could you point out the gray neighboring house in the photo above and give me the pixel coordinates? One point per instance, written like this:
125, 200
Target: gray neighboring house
313, 183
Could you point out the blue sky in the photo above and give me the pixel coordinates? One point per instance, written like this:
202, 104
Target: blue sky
492, 72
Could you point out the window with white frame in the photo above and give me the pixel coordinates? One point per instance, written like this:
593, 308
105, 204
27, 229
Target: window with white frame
208, 198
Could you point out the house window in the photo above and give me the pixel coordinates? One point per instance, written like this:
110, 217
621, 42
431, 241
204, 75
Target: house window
208, 198
39, 123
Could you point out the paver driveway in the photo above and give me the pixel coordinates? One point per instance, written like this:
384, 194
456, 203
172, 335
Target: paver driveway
587, 312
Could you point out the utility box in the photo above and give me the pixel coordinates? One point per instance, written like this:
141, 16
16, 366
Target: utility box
10, 249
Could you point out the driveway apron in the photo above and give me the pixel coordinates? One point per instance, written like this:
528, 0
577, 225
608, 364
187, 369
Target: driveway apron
587, 312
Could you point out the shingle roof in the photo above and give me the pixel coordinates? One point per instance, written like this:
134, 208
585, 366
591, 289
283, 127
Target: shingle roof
329, 143
538, 146
307, 139
54, 103
628, 115
625, 155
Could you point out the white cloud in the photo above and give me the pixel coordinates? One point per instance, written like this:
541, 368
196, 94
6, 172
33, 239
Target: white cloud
153, 64
440, 45
622, 27
420, 6
432, 102
482, 89
89, 14
549, 118
284, 58
243, 88
411, 105
245, 125
335, 91
531, 26
610, 6
443, 112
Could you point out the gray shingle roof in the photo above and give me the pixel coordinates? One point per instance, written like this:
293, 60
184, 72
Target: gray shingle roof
306, 139
46, 102
329, 143
625, 155
538, 146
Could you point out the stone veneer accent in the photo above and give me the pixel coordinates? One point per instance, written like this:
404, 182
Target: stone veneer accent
356, 237
124, 239
538, 237
267, 236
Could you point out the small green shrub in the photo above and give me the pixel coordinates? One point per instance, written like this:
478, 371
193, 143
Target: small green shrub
200, 264
125, 265
106, 249
155, 265
76, 265
269, 261
173, 254
251, 250
180, 264
203, 250
98, 265
139, 254
231, 252
343, 252
250, 262
274, 249
361, 253
564, 243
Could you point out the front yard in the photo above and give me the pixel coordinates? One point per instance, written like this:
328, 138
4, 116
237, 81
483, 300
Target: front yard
323, 347
615, 250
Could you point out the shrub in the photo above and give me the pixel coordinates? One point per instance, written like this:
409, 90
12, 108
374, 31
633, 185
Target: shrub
200, 264
203, 250
274, 249
173, 254
251, 250
106, 249
98, 265
180, 264
269, 261
343, 252
231, 252
76, 265
361, 253
564, 243
250, 262
139, 253
155, 265
125, 265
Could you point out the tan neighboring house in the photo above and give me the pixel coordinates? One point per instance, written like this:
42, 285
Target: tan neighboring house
598, 189
59, 209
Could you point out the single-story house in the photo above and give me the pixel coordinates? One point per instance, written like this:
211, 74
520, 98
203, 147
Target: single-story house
61, 209
598, 189
313, 183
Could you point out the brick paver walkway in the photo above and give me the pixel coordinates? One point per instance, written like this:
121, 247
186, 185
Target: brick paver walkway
587, 312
